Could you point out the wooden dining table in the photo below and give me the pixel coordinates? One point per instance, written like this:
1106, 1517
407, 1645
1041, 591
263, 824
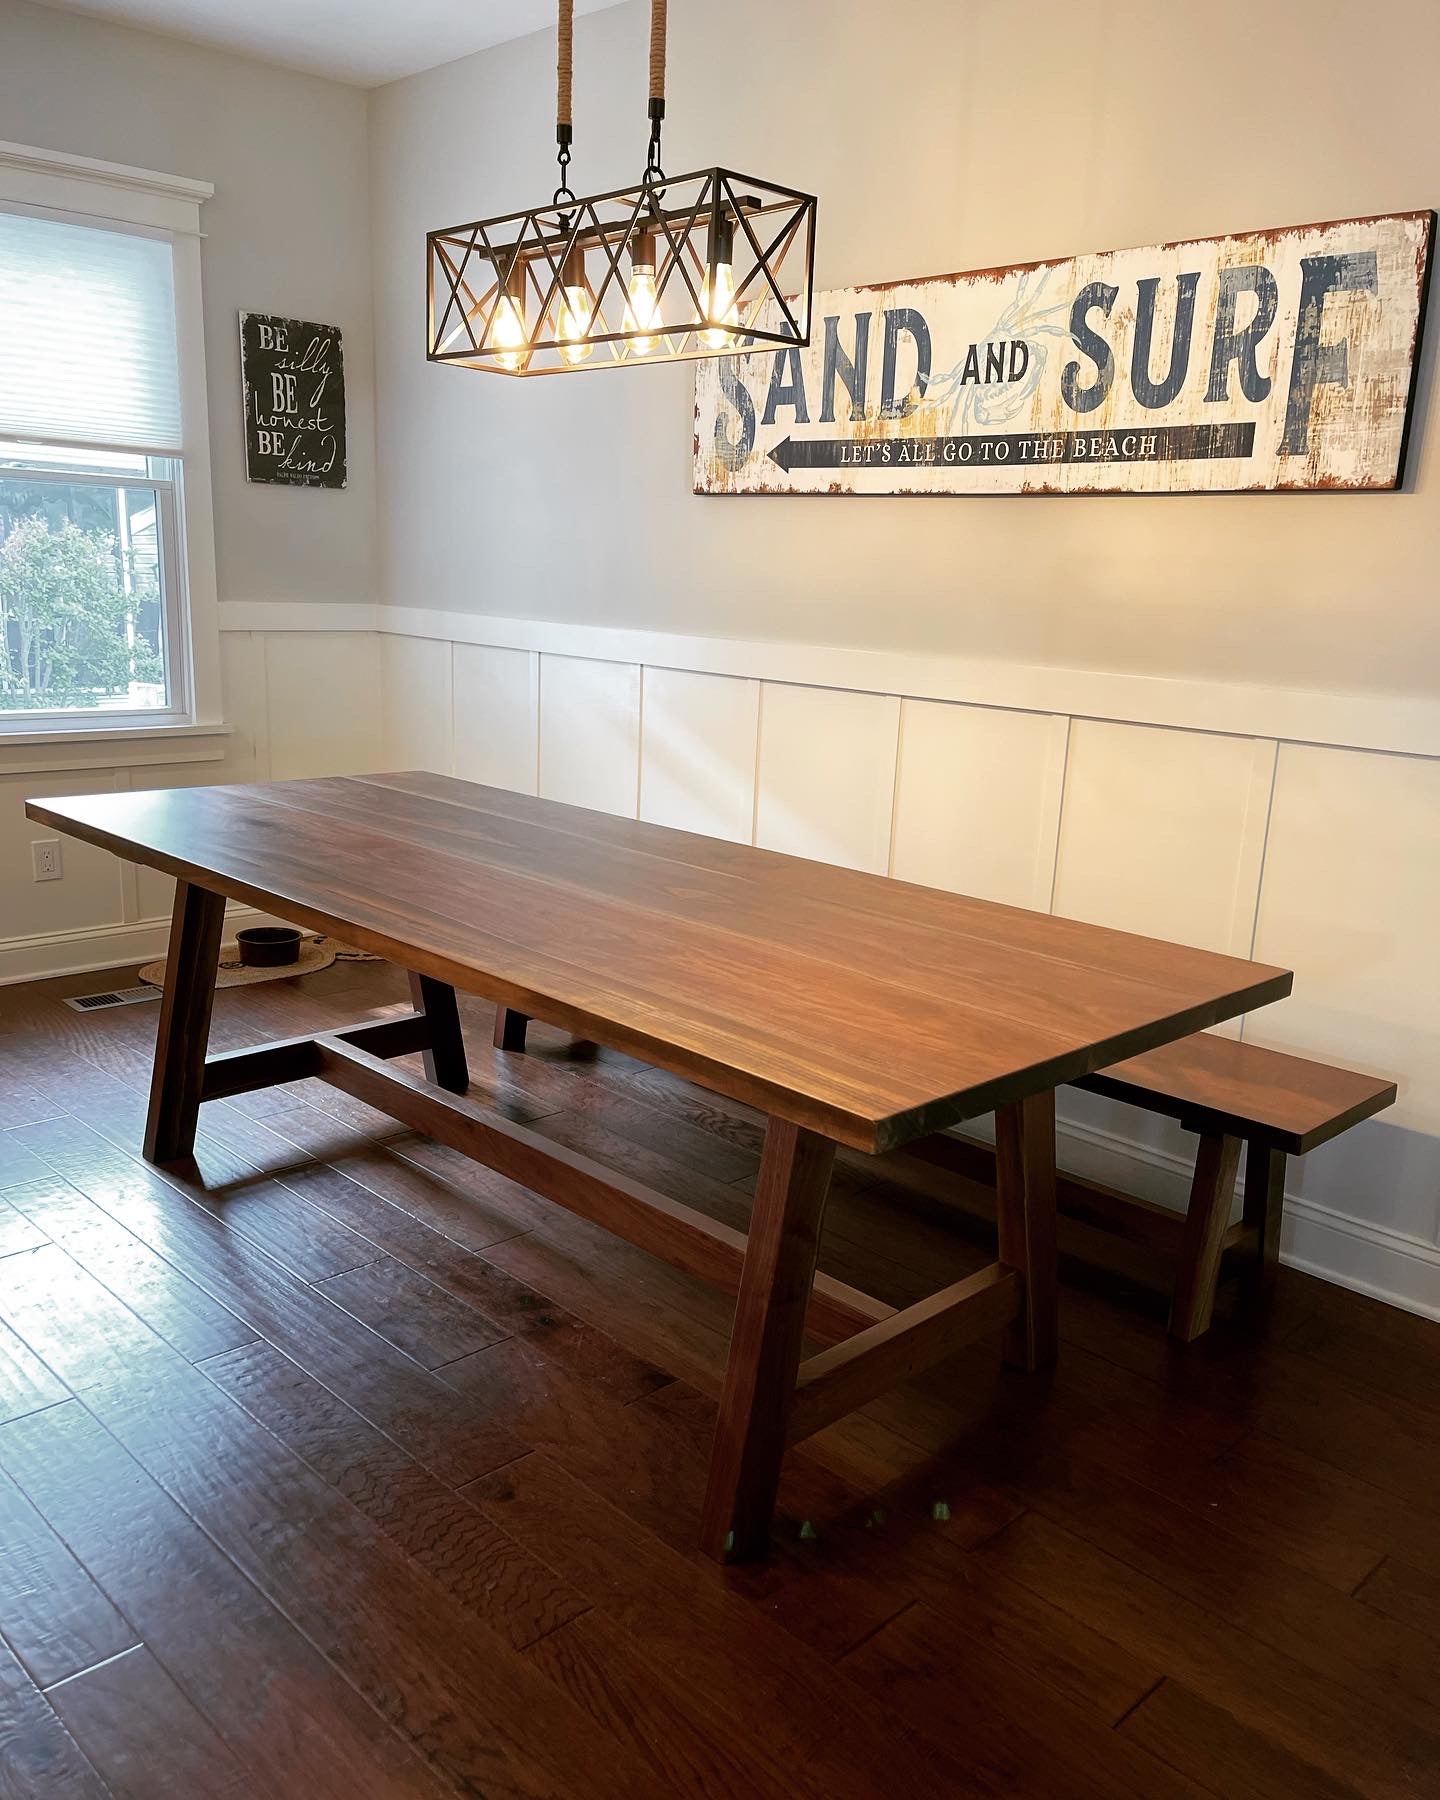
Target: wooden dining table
847, 1007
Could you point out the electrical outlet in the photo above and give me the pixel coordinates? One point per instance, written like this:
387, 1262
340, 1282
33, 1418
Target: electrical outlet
45, 855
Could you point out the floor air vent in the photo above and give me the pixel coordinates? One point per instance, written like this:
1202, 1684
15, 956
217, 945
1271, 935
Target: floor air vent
131, 996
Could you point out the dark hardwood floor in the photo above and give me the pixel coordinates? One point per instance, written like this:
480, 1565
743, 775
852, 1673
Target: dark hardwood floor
334, 1465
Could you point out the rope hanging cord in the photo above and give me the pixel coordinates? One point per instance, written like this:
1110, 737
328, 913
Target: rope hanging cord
565, 57
657, 50
564, 75
653, 172
564, 68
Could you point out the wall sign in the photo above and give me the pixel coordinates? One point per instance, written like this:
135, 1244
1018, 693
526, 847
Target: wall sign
1273, 360
294, 378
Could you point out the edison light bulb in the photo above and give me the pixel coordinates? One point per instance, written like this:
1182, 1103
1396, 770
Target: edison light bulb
720, 307
508, 331
576, 308
575, 323
642, 307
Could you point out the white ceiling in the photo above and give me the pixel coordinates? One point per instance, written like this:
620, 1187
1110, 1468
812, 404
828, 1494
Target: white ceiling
361, 41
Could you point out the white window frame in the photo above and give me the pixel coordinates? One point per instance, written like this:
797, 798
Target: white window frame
82, 190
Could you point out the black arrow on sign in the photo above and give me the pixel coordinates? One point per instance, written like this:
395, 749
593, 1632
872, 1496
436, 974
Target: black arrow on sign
1018, 449
858, 453
812, 453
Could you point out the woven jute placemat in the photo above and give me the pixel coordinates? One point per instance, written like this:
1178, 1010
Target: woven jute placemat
315, 953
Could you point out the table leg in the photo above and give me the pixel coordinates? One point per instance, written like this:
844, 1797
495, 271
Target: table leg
445, 1057
765, 1342
1025, 1213
510, 1028
190, 963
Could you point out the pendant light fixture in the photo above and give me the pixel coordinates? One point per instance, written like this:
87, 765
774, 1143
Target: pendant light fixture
675, 268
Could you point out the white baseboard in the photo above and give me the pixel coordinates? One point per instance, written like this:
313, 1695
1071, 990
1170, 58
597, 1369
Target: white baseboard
96, 947
1393, 1266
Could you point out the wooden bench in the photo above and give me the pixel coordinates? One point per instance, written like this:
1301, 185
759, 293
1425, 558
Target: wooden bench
1237, 1095
1234, 1096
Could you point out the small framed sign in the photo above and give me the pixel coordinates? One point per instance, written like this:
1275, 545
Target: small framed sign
293, 372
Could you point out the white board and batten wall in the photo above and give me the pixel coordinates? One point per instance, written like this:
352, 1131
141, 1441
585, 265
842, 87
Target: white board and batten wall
302, 703
1320, 855
1323, 856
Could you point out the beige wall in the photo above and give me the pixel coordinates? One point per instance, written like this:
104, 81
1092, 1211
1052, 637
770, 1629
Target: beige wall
938, 134
288, 231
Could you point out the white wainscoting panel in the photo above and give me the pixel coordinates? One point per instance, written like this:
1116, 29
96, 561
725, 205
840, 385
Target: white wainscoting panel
105, 913
242, 684
151, 894
497, 716
1163, 832
416, 705
1362, 719
89, 892
590, 733
1160, 815
154, 894
697, 752
826, 785
323, 703
977, 800
1351, 902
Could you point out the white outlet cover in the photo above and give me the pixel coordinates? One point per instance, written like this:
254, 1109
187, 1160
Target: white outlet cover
45, 857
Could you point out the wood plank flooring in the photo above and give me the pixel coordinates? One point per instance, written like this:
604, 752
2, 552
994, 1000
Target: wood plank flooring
334, 1465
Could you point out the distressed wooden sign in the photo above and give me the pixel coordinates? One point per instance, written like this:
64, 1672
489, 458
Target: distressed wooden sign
1273, 360
293, 372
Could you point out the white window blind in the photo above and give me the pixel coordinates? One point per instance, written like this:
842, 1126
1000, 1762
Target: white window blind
87, 336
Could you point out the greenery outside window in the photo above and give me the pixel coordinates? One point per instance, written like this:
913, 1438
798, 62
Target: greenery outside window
89, 584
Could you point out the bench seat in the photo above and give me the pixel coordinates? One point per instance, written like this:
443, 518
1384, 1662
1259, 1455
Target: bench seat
1221, 1085
1239, 1099
1236, 1095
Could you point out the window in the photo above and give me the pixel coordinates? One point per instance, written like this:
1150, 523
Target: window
101, 442
89, 589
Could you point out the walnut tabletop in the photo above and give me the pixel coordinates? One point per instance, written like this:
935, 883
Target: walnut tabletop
863, 1008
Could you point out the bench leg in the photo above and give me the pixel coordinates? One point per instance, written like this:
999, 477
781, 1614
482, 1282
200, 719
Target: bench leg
1264, 1201
1025, 1216
445, 1063
1217, 1158
510, 1028
765, 1343
185, 1006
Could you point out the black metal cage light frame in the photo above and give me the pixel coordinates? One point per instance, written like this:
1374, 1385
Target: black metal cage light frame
673, 269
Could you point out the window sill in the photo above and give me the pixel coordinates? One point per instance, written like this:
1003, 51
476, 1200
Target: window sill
110, 734
109, 747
